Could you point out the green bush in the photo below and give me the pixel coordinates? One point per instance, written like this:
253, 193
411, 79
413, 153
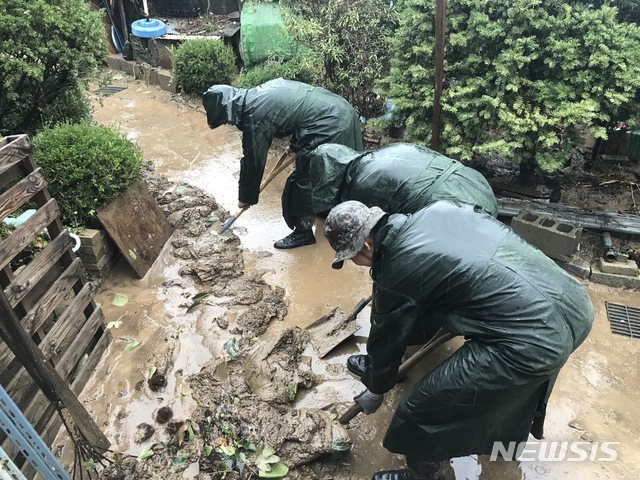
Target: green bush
87, 166
520, 76
198, 64
49, 49
297, 69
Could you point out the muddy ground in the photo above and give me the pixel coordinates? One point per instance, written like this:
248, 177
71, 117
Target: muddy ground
211, 384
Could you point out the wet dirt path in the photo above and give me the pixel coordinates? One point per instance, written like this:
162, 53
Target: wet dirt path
594, 400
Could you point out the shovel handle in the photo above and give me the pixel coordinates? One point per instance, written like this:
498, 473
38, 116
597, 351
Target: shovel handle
358, 308
438, 339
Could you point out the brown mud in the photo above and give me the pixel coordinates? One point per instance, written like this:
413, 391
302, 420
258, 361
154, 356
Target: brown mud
211, 382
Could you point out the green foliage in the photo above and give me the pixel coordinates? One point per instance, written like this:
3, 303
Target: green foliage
49, 49
87, 166
198, 64
351, 39
302, 69
520, 75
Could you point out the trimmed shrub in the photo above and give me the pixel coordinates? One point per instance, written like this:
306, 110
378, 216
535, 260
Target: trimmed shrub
297, 69
48, 51
87, 166
198, 64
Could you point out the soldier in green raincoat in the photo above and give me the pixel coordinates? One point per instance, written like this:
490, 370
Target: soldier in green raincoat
450, 266
279, 108
398, 178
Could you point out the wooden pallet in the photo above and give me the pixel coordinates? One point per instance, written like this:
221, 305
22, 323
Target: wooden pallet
46, 305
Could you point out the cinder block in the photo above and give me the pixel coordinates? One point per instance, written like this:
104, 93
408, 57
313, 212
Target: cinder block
114, 61
556, 239
628, 268
165, 81
613, 280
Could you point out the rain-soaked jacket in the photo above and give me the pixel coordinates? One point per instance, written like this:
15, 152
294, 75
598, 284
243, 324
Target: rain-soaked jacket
520, 313
279, 108
398, 178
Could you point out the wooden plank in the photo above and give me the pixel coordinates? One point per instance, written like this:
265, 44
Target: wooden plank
52, 297
11, 175
45, 375
37, 269
138, 227
597, 220
46, 305
66, 361
14, 151
21, 192
69, 322
22, 236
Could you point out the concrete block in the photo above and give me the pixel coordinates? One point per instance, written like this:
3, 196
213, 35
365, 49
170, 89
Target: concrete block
628, 268
613, 280
166, 81
556, 239
114, 61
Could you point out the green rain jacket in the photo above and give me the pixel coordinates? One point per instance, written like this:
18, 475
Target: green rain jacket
279, 108
521, 316
398, 178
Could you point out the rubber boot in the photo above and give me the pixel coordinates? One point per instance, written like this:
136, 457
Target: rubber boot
297, 238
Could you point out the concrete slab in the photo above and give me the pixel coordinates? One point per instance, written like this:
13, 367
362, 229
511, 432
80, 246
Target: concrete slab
628, 268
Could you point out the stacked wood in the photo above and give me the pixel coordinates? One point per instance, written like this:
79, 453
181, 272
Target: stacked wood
50, 322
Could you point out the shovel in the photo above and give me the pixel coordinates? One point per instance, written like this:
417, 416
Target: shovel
277, 168
438, 339
329, 331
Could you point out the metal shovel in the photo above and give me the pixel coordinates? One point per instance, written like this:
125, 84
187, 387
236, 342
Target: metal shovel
280, 165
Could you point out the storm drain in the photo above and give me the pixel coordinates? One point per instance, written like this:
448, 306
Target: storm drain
109, 89
624, 320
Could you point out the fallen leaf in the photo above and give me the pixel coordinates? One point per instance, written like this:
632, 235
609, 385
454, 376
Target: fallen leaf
132, 346
114, 324
120, 300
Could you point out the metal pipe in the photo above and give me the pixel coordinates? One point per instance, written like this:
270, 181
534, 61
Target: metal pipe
609, 251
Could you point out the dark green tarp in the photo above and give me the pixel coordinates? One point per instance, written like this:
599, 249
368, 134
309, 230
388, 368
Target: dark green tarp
398, 178
521, 315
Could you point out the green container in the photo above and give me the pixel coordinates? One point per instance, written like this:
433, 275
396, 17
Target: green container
634, 147
262, 34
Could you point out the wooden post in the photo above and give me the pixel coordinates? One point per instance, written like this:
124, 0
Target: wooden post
441, 15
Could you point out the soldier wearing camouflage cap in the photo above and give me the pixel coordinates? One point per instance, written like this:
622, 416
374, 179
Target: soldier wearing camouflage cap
450, 266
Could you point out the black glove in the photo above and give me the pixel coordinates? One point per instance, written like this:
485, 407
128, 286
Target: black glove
370, 402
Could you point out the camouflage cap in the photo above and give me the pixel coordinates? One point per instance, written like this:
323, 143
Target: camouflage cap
347, 227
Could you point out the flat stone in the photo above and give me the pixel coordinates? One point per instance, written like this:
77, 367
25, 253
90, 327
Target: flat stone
628, 268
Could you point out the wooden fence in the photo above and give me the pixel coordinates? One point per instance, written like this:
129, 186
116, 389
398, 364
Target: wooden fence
53, 334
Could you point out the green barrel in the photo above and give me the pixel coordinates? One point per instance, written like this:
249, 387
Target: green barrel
263, 34
634, 147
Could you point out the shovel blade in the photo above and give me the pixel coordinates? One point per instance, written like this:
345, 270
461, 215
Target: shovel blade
227, 224
329, 331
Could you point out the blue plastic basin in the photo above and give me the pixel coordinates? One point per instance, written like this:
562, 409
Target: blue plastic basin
148, 28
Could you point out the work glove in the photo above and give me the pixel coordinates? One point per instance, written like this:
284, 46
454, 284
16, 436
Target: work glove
370, 402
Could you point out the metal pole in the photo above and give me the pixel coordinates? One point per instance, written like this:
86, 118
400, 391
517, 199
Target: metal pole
8, 469
441, 20
24, 436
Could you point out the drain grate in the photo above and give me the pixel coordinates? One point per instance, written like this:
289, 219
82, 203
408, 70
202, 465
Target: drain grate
624, 320
109, 89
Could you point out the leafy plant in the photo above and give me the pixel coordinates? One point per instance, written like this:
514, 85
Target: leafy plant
87, 166
49, 50
351, 40
300, 68
268, 463
198, 64
520, 76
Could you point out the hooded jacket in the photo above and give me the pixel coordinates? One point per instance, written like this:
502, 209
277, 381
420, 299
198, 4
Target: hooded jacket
521, 315
399, 178
279, 108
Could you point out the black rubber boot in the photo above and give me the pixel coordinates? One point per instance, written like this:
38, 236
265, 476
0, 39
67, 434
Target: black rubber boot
404, 474
297, 238
357, 364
